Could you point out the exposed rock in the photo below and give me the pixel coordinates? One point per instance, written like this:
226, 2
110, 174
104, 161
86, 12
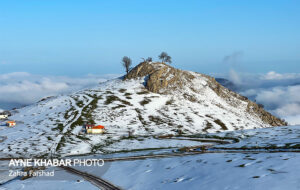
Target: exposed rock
160, 76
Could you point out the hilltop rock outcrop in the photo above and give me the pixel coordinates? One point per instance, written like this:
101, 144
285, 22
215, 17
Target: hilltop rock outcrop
160, 76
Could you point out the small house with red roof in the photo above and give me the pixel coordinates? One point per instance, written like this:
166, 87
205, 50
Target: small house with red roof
11, 123
95, 129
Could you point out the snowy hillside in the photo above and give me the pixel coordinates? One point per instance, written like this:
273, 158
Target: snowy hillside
128, 106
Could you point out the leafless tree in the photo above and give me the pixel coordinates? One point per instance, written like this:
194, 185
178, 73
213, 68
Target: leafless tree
165, 58
126, 61
149, 59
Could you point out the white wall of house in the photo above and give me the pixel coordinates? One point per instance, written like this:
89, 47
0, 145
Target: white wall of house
95, 131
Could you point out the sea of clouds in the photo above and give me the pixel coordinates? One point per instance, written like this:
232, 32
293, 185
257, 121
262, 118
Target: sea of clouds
279, 93
21, 88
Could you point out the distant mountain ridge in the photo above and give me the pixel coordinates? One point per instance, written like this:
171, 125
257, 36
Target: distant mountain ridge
227, 83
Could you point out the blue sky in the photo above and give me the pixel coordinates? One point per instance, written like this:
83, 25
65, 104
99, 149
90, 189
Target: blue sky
76, 38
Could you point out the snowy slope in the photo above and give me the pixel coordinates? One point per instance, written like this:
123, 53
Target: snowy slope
210, 171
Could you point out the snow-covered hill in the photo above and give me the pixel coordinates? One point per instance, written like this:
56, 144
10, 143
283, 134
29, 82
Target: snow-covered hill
154, 99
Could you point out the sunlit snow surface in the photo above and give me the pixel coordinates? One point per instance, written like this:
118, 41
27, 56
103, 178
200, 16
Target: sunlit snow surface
210, 171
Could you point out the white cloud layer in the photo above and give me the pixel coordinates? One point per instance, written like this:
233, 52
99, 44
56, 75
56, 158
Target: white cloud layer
21, 88
272, 75
279, 93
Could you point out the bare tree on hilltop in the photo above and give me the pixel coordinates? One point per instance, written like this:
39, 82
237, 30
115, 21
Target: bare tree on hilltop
126, 61
149, 59
165, 58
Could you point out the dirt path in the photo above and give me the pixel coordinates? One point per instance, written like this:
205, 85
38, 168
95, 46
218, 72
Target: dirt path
97, 181
210, 140
142, 157
68, 122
